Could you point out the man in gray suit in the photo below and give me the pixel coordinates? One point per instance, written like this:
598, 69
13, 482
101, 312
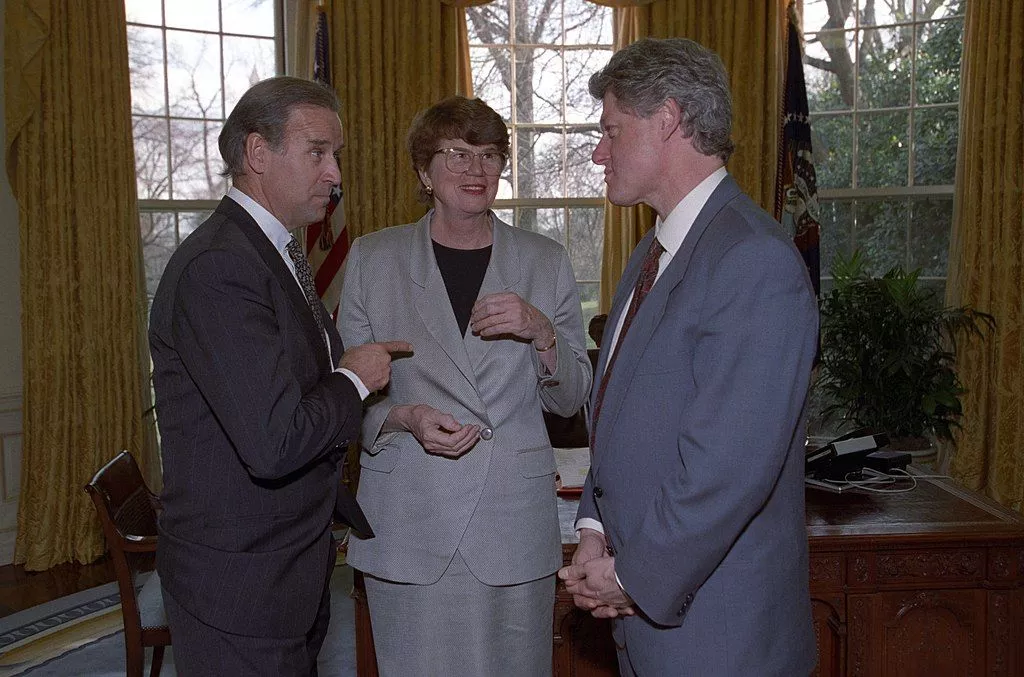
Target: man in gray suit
257, 401
692, 527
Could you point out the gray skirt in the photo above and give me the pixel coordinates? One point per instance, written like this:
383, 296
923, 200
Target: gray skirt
460, 627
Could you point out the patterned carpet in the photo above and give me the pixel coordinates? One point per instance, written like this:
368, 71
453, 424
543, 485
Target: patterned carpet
32, 637
82, 635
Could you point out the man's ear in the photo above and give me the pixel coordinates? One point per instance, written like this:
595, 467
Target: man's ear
670, 116
257, 151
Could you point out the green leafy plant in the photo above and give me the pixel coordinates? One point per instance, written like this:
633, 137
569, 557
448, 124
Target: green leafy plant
888, 352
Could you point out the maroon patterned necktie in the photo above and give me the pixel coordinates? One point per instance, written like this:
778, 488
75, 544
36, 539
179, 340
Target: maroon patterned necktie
648, 273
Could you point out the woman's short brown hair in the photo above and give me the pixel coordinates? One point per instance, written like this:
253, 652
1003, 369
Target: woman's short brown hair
455, 117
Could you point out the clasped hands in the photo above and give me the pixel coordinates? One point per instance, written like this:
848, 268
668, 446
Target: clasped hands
591, 579
507, 314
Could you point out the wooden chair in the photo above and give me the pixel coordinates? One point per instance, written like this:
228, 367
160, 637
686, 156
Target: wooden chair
128, 512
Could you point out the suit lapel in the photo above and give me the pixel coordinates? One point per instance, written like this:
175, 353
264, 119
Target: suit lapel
653, 307
503, 272
272, 258
432, 300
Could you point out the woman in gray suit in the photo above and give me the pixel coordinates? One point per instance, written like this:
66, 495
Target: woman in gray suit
457, 472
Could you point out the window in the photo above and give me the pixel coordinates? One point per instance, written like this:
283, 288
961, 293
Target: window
883, 84
190, 61
531, 60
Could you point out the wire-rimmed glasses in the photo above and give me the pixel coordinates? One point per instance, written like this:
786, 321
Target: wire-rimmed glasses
459, 160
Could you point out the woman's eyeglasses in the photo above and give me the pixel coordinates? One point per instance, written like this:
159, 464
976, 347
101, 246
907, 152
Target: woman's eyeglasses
459, 160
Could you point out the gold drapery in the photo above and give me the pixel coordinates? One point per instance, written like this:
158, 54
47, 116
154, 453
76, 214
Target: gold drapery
749, 36
987, 252
393, 58
71, 168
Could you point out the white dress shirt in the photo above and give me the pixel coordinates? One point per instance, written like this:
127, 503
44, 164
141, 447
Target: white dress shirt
280, 237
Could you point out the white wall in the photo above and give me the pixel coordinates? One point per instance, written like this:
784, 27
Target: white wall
10, 345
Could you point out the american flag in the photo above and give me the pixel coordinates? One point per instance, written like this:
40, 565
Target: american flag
796, 196
327, 241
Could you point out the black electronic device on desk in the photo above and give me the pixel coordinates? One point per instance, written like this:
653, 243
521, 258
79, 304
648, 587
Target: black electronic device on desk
844, 455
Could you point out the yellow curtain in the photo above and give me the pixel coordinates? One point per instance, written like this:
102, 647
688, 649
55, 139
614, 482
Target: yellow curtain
393, 58
71, 168
749, 36
987, 252
300, 17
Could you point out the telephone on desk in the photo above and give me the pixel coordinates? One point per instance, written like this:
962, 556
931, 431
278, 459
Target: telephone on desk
852, 452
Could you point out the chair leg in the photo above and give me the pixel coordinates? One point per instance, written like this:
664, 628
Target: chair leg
134, 655
158, 660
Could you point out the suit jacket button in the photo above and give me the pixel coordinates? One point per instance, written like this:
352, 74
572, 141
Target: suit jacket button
486, 434
598, 492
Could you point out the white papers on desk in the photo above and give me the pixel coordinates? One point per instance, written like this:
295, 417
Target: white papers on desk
573, 465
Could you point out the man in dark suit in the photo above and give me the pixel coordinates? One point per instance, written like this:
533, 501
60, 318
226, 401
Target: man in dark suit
256, 400
692, 526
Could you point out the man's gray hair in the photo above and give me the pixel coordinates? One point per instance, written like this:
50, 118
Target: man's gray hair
649, 72
264, 109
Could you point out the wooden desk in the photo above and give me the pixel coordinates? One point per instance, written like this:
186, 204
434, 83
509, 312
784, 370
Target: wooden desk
922, 584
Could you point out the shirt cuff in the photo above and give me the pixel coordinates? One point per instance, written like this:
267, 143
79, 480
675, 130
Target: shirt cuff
356, 381
588, 523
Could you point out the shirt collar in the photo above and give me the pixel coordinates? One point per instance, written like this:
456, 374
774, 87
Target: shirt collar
268, 223
676, 225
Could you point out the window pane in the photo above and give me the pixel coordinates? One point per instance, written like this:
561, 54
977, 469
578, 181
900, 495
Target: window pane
492, 71
884, 74
587, 23
193, 72
589, 294
538, 22
836, 232
583, 177
940, 9
881, 233
488, 24
833, 150
579, 66
146, 68
828, 71
251, 17
189, 221
939, 47
874, 13
196, 160
930, 226
151, 163
819, 14
586, 241
506, 215
246, 62
144, 12
882, 149
158, 242
540, 164
549, 222
542, 69
198, 14
936, 131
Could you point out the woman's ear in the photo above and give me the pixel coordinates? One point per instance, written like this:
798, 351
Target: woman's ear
424, 179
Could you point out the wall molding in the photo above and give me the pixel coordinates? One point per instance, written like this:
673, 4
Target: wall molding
10, 401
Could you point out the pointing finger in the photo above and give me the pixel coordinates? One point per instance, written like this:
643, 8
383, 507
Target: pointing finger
396, 346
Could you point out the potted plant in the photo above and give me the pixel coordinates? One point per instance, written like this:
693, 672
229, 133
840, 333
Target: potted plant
888, 354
